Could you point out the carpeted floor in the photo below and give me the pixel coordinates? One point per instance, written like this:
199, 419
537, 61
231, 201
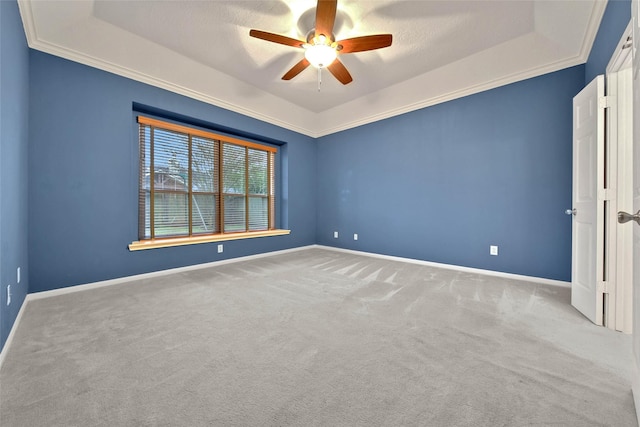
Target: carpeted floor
310, 338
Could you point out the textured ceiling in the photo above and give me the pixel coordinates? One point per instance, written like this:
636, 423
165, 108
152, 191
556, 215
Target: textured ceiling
441, 50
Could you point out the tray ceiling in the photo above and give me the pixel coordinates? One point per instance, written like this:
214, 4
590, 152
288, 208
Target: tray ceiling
441, 50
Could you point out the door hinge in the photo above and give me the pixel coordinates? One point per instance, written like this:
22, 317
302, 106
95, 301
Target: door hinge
603, 287
605, 101
606, 194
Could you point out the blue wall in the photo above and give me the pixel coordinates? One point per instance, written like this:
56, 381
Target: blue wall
614, 21
83, 177
14, 113
443, 183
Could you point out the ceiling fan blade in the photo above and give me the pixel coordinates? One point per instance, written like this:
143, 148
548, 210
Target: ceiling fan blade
326, 17
360, 44
340, 72
296, 69
276, 38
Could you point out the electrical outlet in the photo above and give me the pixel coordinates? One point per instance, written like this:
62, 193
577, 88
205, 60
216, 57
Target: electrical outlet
355, 236
8, 294
335, 234
493, 250
220, 249
18, 274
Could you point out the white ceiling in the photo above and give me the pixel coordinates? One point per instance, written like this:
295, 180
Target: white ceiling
441, 50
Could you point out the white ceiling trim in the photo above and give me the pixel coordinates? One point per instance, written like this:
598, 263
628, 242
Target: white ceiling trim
407, 86
592, 30
560, 65
403, 97
162, 84
514, 77
37, 43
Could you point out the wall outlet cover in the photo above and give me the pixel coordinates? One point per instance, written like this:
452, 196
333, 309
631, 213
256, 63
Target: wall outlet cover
220, 249
493, 250
8, 294
335, 234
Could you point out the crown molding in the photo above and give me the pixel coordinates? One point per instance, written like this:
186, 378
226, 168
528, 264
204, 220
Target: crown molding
36, 43
312, 127
471, 90
593, 26
595, 19
129, 73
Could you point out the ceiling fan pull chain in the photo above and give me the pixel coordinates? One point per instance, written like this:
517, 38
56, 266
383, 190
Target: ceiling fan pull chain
319, 78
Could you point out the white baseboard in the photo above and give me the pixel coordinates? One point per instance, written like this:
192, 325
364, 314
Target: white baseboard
103, 283
12, 332
95, 285
110, 282
455, 267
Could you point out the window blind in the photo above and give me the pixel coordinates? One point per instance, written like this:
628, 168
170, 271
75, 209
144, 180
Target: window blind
194, 182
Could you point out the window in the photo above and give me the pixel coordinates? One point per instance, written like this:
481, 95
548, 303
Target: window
196, 187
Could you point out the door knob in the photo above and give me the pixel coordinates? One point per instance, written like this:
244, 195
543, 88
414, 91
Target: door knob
571, 211
626, 217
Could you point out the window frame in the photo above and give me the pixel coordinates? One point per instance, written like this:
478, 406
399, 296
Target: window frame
220, 235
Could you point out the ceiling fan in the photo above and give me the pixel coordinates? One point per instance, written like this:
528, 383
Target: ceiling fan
321, 48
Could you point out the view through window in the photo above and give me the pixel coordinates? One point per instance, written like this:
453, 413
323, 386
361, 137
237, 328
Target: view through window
193, 182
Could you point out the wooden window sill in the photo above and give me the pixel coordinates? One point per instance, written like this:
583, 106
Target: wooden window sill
182, 241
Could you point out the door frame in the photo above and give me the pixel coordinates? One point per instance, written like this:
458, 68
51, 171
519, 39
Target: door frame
635, 23
618, 303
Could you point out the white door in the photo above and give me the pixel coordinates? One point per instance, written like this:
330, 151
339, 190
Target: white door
636, 209
635, 15
588, 226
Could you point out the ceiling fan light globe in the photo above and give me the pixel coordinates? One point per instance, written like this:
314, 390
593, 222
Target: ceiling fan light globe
320, 55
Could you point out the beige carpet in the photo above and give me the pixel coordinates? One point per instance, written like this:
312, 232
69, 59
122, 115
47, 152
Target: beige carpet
315, 337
